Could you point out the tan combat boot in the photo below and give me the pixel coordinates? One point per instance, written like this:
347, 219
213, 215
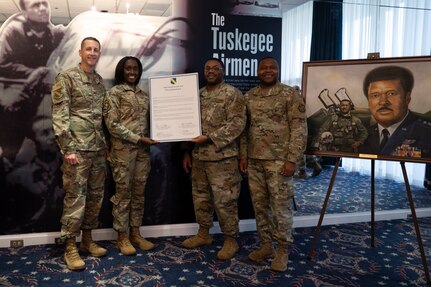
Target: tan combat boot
89, 246
264, 252
71, 256
137, 240
203, 237
279, 263
229, 249
123, 243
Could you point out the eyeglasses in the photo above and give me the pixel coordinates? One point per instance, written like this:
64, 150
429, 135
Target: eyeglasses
388, 94
215, 69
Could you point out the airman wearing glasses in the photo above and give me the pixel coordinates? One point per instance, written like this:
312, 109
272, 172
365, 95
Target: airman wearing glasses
216, 180
398, 131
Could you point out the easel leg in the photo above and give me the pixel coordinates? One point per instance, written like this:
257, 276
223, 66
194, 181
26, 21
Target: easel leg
322, 212
373, 195
415, 223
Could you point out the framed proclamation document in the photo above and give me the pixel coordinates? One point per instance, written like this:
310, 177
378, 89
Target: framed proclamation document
174, 107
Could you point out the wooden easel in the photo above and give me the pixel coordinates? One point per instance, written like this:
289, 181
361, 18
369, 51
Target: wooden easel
412, 208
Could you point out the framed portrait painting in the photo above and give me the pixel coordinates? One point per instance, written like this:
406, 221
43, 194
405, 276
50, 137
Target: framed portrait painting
374, 108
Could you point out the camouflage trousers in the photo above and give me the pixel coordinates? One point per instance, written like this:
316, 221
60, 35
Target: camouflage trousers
83, 184
271, 195
216, 186
130, 169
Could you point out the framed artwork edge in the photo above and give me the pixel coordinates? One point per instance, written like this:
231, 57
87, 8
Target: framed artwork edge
326, 84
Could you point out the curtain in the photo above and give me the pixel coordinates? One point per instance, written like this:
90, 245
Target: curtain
326, 40
387, 169
395, 28
296, 42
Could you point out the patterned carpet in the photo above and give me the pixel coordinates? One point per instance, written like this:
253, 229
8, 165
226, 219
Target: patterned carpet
343, 258
343, 254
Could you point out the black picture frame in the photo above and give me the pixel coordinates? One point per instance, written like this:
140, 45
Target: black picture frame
326, 83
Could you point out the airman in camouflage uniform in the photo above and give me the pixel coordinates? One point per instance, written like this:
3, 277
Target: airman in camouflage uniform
347, 130
126, 111
77, 99
271, 145
216, 181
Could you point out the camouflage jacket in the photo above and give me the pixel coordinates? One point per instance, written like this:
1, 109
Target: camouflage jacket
223, 118
276, 127
346, 129
77, 99
126, 111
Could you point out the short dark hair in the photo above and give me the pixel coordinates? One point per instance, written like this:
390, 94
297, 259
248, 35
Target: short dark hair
387, 73
119, 70
216, 59
90, 39
352, 106
268, 58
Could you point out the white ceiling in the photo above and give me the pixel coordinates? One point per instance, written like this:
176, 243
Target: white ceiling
63, 11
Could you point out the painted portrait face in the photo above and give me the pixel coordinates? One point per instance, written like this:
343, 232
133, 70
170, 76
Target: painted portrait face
388, 102
213, 72
37, 10
345, 107
131, 71
267, 72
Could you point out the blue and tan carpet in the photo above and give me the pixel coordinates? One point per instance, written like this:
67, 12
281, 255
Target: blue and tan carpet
343, 255
343, 258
